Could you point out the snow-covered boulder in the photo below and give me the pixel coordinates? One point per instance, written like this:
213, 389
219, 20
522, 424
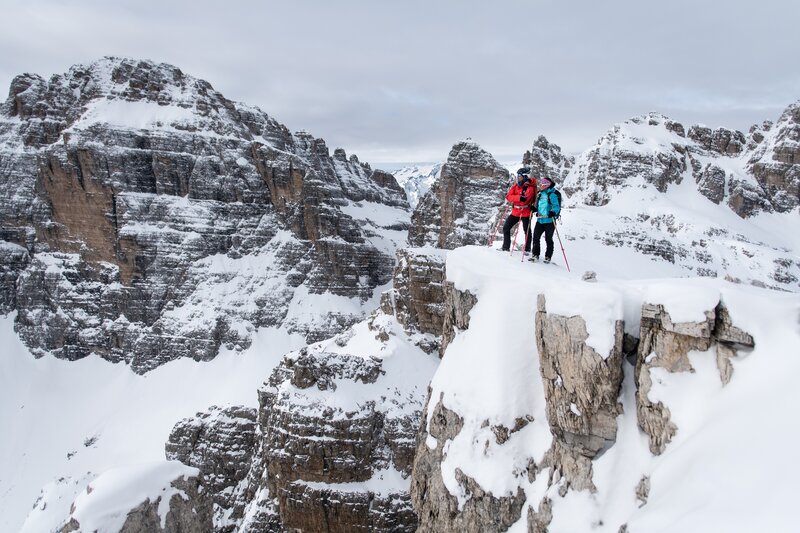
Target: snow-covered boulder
160, 497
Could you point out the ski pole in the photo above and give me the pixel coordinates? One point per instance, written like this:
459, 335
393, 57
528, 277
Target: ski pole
513, 244
497, 226
527, 235
561, 244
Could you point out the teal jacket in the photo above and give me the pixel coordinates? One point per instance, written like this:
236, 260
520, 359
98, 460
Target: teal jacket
547, 201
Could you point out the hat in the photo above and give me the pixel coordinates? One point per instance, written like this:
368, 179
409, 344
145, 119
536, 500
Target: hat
524, 171
548, 180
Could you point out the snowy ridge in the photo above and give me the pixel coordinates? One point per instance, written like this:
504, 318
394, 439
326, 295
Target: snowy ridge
652, 150
641, 189
106, 501
491, 378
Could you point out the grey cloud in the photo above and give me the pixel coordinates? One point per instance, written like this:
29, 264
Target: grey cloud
404, 80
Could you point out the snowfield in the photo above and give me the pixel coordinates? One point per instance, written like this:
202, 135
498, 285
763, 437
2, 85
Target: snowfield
65, 422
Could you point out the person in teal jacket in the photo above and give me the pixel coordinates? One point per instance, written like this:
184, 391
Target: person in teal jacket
548, 207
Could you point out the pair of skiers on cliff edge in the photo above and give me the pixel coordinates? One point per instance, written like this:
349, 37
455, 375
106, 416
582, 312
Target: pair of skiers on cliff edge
543, 200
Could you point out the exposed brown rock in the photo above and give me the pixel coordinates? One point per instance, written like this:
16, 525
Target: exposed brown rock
581, 386
437, 509
458, 305
221, 444
309, 447
665, 344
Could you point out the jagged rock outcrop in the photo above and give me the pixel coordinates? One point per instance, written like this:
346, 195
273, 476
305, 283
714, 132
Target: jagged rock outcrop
430, 309
581, 389
546, 161
750, 174
463, 201
417, 297
775, 163
666, 344
581, 385
457, 305
154, 191
221, 444
438, 510
323, 455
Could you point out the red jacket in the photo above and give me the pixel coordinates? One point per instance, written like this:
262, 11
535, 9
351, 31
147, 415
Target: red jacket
522, 209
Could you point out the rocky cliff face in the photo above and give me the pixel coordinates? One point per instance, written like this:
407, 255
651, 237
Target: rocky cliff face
331, 447
581, 386
462, 202
546, 161
220, 443
775, 158
145, 217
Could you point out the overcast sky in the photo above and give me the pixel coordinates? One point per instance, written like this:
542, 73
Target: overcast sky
404, 80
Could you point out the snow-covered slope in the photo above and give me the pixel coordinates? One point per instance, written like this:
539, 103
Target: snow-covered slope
680, 198
65, 422
728, 466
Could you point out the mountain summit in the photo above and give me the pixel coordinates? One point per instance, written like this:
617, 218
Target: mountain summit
146, 217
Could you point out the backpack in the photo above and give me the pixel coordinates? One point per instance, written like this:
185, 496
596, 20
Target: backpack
558, 195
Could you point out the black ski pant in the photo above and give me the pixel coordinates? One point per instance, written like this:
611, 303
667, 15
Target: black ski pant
512, 221
548, 229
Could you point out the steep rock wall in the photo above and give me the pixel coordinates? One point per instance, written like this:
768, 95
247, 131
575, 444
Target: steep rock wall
177, 195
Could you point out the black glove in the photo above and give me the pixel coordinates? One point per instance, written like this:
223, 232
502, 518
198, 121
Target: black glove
523, 198
552, 214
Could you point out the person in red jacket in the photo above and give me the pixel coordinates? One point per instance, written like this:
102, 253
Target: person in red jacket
521, 196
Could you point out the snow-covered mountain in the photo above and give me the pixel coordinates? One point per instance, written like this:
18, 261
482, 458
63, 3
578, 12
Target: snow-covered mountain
147, 219
416, 180
695, 200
